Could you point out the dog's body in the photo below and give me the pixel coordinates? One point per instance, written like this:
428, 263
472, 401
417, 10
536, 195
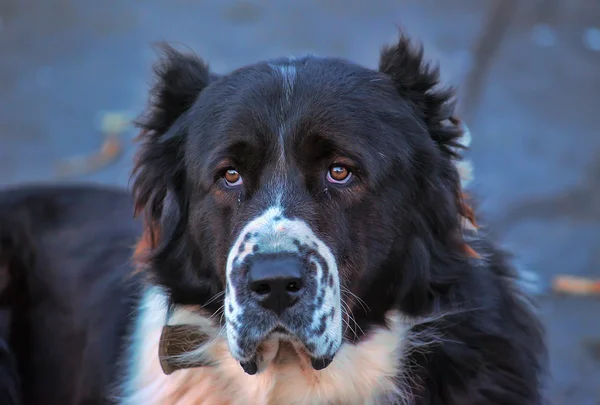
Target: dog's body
66, 254
303, 217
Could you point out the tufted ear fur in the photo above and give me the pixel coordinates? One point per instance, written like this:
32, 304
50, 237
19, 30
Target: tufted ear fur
159, 180
435, 253
416, 81
158, 171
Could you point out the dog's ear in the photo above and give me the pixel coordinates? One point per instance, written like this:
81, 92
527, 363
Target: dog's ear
417, 81
159, 180
432, 255
158, 174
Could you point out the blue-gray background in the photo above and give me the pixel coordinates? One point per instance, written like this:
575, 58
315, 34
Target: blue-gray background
533, 106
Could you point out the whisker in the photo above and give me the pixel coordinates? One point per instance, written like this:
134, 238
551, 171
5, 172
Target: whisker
214, 298
348, 324
357, 325
348, 311
220, 310
217, 337
360, 301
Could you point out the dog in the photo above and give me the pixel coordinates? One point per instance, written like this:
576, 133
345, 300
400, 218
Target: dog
302, 241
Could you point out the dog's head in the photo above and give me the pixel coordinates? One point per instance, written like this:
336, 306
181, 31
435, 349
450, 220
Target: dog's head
307, 197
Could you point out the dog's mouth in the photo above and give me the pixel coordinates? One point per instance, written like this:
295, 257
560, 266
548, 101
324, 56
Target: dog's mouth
280, 347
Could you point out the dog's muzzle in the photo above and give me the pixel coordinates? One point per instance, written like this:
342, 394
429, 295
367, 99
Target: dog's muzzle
282, 285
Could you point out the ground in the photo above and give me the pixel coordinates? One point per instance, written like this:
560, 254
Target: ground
533, 113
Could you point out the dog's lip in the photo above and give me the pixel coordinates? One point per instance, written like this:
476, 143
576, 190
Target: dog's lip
291, 340
250, 367
317, 363
321, 362
280, 331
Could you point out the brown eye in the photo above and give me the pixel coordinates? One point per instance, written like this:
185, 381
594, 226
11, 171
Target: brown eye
339, 174
232, 177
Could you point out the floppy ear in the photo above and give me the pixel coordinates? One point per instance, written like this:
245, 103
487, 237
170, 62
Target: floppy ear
432, 255
159, 181
159, 171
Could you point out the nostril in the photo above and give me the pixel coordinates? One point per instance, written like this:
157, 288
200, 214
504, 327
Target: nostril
293, 286
262, 289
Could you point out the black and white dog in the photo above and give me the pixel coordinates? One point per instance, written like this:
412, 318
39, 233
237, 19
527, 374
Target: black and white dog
302, 243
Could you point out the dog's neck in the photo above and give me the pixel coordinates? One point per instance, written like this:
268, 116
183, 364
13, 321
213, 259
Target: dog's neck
363, 373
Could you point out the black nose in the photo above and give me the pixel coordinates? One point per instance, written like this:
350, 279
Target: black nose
276, 281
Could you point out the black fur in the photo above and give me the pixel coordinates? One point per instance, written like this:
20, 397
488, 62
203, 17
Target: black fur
394, 229
68, 291
159, 187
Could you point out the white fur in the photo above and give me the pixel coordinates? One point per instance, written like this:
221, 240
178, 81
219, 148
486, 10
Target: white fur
278, 235
360, 374
288, 77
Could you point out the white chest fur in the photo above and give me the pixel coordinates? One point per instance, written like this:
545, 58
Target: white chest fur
358, 375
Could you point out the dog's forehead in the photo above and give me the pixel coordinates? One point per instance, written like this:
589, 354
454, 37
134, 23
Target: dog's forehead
271, 100
296, 83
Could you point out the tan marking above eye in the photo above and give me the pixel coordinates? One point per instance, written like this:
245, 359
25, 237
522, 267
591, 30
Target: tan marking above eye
232, 177
338, 173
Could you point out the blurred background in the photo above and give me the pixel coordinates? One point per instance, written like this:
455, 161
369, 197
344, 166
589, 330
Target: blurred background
74, 72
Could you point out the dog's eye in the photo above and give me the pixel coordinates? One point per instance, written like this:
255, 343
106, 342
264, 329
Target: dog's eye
339, 174
232, 177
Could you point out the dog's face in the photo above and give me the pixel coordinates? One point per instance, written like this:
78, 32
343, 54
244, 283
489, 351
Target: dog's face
297, 187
